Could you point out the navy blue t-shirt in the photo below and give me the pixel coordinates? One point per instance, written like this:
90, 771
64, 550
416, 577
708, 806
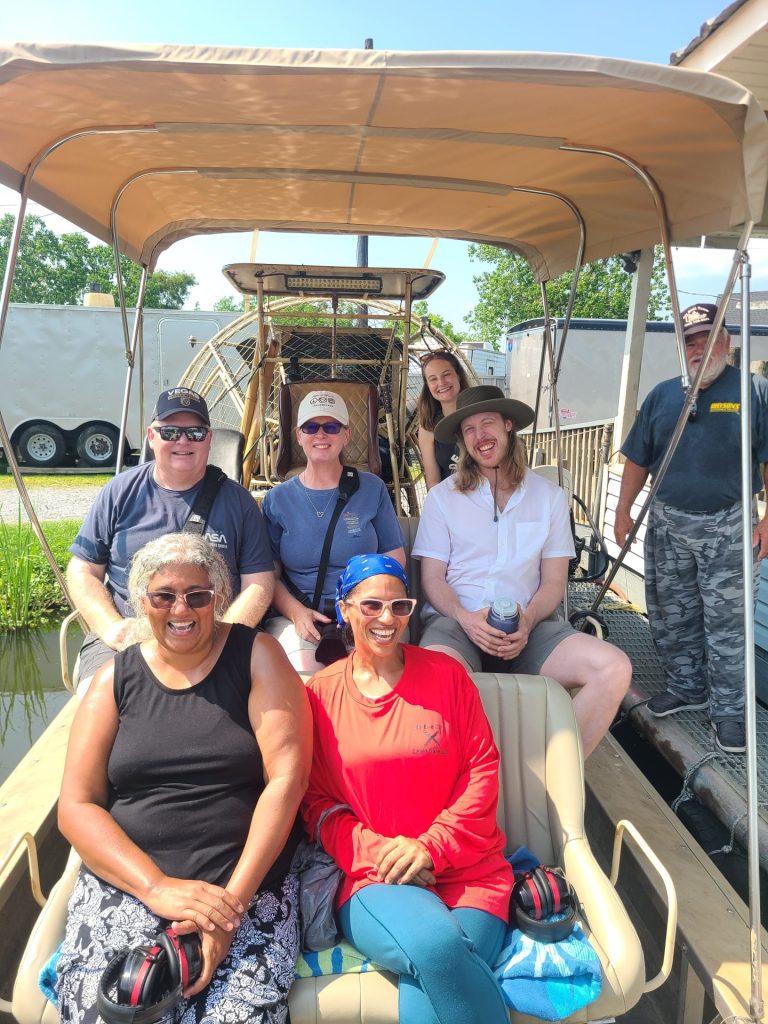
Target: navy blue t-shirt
368, 525
133, 509
705, 472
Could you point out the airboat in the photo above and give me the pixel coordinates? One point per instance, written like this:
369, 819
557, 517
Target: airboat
563, 159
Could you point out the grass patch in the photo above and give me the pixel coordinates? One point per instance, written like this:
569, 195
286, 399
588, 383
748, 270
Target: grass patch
30, 596
63, 482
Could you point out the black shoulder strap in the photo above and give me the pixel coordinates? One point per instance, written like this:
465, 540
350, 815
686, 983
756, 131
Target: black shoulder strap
348, 484
198, 517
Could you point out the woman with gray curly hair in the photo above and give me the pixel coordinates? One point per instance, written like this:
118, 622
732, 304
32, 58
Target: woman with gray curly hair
187, 761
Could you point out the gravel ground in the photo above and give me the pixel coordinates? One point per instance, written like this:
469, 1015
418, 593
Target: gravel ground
50, 503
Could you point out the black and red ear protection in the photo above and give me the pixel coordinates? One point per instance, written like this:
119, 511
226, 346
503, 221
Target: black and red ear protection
149, 980
539, 894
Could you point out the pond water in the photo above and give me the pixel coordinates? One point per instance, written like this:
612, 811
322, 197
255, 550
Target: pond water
31, 690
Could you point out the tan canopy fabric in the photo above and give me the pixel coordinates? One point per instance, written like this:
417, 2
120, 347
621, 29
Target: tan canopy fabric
367, 141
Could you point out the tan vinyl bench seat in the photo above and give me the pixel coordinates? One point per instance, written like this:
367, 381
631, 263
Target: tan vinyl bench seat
541, 807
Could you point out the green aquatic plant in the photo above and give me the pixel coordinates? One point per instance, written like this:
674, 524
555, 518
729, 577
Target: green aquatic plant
30, 595
15, 573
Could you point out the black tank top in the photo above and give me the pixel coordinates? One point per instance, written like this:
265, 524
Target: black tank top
185, 771
445, 453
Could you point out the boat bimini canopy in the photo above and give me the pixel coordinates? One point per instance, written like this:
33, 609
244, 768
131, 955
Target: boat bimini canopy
156, 143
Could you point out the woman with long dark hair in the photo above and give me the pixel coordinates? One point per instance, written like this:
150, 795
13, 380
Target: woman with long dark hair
444, 378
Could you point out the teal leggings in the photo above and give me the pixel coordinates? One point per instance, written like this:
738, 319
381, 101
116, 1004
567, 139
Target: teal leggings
441, 955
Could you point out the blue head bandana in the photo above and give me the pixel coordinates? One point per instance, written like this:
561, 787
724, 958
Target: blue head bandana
362, 567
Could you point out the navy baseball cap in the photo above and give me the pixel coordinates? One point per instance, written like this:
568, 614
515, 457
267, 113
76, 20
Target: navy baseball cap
180, 400
698, 318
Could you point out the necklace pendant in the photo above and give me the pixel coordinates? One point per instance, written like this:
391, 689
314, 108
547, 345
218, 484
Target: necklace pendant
319, 514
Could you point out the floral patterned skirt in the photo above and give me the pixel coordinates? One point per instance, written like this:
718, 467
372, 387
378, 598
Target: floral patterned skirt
250, 985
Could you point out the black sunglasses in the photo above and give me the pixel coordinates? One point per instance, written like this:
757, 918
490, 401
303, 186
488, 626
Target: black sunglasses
192, 599
327, 428
174, 433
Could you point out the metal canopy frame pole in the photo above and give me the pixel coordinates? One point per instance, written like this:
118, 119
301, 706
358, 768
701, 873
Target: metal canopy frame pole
537, 403
756, 995
404, 360
663, 220
553, 396
135, 334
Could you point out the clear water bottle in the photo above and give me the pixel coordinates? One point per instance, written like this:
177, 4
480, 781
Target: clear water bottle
504, 615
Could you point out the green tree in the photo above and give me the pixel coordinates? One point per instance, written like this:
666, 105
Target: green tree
58, 268
229, 304
421, 308
509, 293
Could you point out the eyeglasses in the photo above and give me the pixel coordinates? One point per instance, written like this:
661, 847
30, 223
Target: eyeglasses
174, 433
401, 607
192, 599
328, 428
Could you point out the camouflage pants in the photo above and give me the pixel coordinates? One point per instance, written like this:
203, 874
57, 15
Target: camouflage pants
693, 590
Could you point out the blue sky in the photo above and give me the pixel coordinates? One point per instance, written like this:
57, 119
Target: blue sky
650, 30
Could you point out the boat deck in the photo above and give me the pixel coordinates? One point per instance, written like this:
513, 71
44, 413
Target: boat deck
685, 740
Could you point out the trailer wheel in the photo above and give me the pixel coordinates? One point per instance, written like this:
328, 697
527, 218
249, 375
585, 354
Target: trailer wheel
42, 444
97, 445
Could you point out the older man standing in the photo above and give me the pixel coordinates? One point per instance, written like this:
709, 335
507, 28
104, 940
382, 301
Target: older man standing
496, 530
693, 542
156, 498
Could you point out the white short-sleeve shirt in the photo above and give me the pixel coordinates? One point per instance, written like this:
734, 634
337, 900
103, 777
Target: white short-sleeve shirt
489, 560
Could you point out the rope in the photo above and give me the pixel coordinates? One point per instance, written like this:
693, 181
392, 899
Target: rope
728, 848
686, 793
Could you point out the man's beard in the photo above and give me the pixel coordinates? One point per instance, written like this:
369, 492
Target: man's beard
715, 367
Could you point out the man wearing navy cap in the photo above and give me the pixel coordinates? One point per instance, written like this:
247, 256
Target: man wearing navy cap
157, 498
693, 545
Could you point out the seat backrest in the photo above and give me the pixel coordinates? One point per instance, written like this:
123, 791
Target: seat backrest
363, 406
550, 473
408, 527
226, 452
541, 799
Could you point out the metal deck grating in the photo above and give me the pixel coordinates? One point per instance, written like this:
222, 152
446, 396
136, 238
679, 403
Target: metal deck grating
684, 738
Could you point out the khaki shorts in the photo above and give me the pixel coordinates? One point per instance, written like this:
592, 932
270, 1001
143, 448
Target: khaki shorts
440, 631
301, 652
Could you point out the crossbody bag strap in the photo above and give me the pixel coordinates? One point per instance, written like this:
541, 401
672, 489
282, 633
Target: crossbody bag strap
198, 517
348, 484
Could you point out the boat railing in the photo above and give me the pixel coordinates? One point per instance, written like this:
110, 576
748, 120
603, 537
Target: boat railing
586, 450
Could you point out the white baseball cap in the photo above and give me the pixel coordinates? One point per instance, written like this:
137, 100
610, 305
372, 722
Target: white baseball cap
322, 403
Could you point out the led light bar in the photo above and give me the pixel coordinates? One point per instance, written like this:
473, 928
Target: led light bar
351, 285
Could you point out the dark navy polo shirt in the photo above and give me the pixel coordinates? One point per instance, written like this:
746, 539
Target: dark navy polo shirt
705, 472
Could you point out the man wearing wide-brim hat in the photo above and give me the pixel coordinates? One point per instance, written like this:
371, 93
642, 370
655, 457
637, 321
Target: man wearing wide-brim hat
496, 530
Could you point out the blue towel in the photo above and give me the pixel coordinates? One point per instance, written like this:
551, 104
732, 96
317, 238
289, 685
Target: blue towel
522, 860
550, 980
47, 979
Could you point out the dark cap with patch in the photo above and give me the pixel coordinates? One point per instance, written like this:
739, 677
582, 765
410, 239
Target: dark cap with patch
180, 400
698, 318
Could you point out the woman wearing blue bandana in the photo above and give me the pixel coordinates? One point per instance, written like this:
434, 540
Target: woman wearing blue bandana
404, 759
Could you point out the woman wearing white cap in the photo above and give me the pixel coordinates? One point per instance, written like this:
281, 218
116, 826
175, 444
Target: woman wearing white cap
298, 513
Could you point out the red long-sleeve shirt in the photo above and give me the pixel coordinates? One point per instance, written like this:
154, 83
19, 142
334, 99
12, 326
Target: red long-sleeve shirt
418, 762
